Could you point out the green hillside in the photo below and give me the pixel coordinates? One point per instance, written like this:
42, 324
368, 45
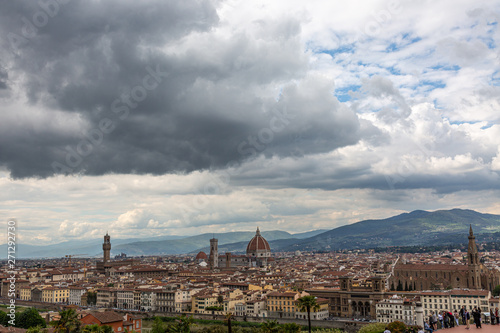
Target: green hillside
415, 228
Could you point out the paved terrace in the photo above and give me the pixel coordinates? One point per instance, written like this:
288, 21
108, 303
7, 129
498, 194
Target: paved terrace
486, 328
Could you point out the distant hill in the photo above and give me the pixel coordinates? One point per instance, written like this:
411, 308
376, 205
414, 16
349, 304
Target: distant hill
415, 228
227, 242
418, 228
190, 244
147, 246
91, 247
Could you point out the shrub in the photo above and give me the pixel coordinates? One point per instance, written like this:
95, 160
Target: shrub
397, 327
373, 328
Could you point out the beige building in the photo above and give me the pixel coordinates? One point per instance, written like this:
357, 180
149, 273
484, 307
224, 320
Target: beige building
202, 301
354, 299
320, 314
451, 300
283, 304
25, 293
55, 295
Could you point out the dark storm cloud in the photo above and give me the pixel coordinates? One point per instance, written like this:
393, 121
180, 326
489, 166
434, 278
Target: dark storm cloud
4, 75
152, 96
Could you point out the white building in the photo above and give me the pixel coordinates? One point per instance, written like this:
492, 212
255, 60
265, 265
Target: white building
397, 308
451, 300
255, 307
240, 309
148, 299
125, 298
75, 295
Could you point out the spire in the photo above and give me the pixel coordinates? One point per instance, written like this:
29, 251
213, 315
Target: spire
257, 233
470, 231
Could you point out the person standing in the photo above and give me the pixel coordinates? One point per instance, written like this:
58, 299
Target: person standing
467, 318
455, 315
476, 314
446, 320
492, 317
462, 314
496, 315
440, 318
451, 319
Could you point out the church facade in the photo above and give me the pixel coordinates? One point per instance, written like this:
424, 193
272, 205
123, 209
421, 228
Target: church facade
473, 275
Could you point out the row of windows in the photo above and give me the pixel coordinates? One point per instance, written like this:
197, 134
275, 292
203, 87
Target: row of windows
285, 309
280, 302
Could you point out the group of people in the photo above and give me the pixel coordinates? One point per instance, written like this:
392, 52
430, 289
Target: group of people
495, 319
448, 319
445, 318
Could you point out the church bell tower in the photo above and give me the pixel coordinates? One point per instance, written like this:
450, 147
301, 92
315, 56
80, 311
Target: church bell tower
214, 253
474, 281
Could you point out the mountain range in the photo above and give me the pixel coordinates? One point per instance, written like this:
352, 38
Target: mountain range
414, 228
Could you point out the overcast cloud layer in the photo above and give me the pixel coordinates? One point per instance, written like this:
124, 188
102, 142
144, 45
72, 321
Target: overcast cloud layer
158, 117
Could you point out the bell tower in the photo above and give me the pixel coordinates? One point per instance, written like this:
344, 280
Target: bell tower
106, 247
214, 253
474, 281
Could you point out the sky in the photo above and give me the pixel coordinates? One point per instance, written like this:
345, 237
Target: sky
151, 118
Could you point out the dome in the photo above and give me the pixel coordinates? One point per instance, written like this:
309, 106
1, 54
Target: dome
201, 256
258, 245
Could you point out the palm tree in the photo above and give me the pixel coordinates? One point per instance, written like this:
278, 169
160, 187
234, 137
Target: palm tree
97, 329
308, 303
228, 318
68, 322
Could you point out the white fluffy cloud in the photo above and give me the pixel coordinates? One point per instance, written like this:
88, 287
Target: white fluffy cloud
387, 106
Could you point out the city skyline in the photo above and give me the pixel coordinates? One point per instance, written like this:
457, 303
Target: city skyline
163, 118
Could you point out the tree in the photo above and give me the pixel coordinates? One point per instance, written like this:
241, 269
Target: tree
182, 325
68, 322
158, 326
94, 328
4, 319
308, 303
496, 291
91, 298
220, 299
30, 318
106, 329
97, 329
290, 328
270, 326
37, 329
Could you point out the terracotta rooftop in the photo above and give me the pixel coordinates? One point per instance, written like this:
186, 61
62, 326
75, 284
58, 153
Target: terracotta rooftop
107, 316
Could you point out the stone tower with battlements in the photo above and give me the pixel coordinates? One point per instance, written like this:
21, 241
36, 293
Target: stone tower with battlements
106, 247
